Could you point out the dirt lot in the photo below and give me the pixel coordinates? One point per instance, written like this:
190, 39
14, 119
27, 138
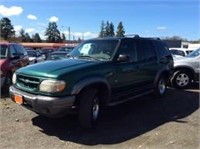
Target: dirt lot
148, 123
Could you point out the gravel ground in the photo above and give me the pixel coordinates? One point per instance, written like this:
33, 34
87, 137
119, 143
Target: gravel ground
147, 123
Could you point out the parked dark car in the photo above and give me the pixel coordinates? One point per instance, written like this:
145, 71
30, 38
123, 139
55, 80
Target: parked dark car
100, 72
66, 48
12, 57
57, 55
46, 51
35, 56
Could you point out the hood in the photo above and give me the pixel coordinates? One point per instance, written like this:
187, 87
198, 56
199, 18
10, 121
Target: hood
183, 59
53, 69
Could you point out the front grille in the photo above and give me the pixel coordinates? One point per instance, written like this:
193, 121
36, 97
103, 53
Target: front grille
27, 82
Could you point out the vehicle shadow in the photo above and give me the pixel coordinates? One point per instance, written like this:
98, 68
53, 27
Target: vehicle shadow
126, 121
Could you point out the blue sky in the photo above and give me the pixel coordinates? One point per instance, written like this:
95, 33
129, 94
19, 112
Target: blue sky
160, 18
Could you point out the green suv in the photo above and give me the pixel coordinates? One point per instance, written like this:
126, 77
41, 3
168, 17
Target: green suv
98, 72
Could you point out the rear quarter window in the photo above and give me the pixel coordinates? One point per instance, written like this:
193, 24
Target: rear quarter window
162, 49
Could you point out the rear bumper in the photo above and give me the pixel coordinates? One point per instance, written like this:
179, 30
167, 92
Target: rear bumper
44, 105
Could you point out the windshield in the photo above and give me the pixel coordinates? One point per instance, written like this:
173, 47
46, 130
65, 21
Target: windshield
4, 51
95, 49
194, 53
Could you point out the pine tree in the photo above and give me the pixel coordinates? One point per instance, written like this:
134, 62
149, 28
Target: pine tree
6, 29
112, 31
102, 31
63, 38
107, 29
36, 38
52, 33
22, 35
120, 30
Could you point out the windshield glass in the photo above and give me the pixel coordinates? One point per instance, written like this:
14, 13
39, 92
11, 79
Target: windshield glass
4, 51
95, 49
195, 53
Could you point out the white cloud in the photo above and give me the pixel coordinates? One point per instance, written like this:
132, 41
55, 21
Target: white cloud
53, 19
29, 30
10, 11
31, 17
90, 35
17, 29
161, 28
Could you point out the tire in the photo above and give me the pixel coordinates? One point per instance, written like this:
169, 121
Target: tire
89, 107
160, 86
181, 79
7, 83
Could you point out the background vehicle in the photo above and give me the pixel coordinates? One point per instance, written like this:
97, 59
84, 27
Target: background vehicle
35, 56
180, 51
66, 48
186, 70
100, 72
46, 51
57, 55
13, 56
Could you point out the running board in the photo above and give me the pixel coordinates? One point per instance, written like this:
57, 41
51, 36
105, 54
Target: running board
130, 98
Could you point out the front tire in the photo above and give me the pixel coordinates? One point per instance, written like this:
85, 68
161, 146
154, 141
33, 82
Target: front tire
181, 79
89, 107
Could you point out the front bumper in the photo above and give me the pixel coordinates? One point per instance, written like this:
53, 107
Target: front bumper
44, 105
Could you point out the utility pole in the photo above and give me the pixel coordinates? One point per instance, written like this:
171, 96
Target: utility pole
69, 32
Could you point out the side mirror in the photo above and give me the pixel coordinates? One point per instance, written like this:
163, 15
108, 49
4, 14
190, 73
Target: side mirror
123, 58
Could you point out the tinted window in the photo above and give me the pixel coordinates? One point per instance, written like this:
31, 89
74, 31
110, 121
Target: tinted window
20, 50
162, 49
146, 50
3, 51
127, 47
13, 52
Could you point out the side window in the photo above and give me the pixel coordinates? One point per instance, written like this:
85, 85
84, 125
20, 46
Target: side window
146, 51
13, 52
20, 50
162, 49
128, 47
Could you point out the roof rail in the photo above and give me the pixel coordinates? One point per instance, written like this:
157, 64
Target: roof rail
132, 35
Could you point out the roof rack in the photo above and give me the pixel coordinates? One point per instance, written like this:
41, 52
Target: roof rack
132, 35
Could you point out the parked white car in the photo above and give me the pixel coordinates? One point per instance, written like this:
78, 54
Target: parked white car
180, 51
35, 56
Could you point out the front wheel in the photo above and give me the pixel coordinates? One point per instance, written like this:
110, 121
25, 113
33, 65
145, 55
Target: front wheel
89, 107
181, 79
160, 86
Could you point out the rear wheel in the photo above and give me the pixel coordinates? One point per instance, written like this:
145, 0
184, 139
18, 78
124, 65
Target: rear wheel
181, 79
161, 86
89, 107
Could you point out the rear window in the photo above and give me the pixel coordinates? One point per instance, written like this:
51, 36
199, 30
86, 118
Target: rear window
3, 51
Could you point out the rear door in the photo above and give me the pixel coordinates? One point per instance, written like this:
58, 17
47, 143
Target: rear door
148, 64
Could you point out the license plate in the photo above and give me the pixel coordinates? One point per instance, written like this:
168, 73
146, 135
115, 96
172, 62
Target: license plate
18, 99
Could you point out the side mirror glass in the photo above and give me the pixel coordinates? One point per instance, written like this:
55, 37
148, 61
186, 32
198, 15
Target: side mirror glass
123, 58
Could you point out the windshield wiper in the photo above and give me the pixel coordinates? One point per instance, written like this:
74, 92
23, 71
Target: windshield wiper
87, 57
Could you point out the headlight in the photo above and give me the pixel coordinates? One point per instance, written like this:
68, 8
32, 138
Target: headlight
52, 86
14, 78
